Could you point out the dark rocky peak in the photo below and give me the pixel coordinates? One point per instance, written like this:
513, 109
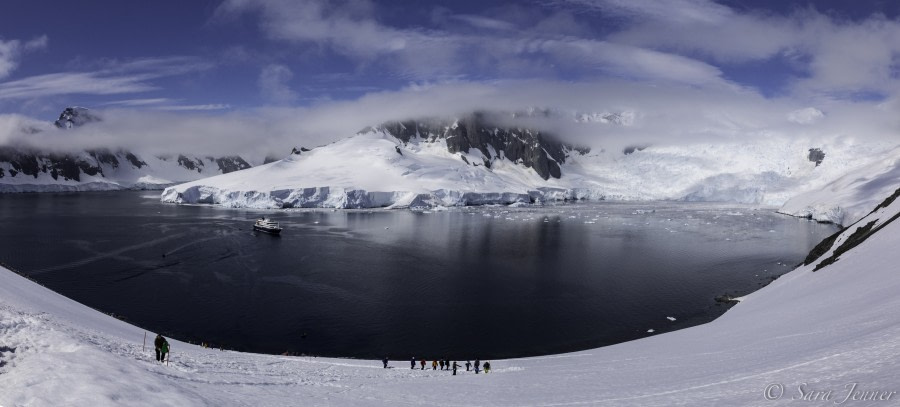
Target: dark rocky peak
231, 163
191, 163
75, 117
534, 149
225, 164
816, 155
632, 149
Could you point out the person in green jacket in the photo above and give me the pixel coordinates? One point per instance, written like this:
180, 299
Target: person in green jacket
162, 347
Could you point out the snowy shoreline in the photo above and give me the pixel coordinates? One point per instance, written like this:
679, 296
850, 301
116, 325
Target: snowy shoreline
85, 187
825, 328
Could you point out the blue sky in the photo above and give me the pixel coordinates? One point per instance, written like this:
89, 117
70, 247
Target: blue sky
240, 54
259, 59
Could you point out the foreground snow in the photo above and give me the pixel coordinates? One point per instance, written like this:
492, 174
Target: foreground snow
822, 330
374, 169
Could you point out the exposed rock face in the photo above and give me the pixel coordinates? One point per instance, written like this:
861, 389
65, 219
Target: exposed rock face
193, 164
224, 164
75, 117
531, 148
231, 163
59, 166
632, 149
816, 155
134, 160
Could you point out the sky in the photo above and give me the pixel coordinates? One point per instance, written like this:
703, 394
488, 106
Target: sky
268, 74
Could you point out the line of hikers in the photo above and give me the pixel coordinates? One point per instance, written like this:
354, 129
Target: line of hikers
445, 365
162, 348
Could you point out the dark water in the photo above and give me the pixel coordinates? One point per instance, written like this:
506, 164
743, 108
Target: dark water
487, 282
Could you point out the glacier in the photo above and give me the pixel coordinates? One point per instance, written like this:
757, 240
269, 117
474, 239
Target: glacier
376, 169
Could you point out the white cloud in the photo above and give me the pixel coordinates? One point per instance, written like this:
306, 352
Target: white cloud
11, 52
73, 83
677, 11
836, 58
132, 76
636, 63
274, 84
661, 116
164, 104
806, 115
209, 106
137, 102
36, 43
500, 50
484, 22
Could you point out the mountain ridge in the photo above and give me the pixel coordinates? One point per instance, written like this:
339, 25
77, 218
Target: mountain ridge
32, 169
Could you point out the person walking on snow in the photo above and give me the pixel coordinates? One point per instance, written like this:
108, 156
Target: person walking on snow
422, 362
162, 347
487, 367
412, 363
434, 365
468, 365
384, 361
442, 364
455, 366
477, 365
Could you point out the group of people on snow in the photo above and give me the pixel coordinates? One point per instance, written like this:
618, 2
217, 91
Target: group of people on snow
444, 364
162, 348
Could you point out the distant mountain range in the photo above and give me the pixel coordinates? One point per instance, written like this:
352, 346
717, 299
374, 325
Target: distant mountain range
28, 169
475, 159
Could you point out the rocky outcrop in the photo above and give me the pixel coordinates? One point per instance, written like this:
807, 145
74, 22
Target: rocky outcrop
230, 163
75, 117
533, 149
816, 155
32, 163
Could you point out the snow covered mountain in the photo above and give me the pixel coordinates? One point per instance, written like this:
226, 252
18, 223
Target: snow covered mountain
468, 161
26, 169
850, 197
829, 326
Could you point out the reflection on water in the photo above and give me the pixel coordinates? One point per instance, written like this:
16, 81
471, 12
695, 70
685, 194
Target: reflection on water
489, 282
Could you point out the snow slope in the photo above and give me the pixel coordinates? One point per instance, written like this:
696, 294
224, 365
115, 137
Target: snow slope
376, 169
363, 171
850, 197
822, 330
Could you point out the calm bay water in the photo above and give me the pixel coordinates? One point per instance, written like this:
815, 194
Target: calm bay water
463, 283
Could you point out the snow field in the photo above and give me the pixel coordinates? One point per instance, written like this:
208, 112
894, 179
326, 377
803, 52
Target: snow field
823, 330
